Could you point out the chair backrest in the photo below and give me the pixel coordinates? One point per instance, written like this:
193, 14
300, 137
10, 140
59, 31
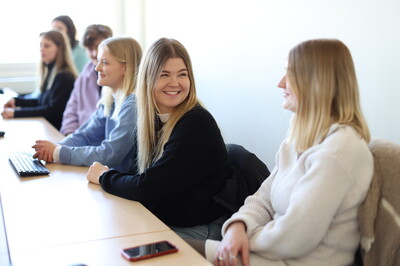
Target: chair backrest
248, 174
379, 215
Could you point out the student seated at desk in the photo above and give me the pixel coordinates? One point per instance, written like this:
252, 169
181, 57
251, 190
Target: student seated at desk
57, 73
182, 158
86, 93
109, 135
66, 24
306, 212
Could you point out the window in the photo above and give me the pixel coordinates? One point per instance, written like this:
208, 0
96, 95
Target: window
23, 20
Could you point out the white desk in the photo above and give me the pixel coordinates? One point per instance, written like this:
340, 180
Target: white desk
64, 215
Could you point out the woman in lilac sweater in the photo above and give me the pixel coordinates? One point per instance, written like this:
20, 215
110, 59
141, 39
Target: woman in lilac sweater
86, 93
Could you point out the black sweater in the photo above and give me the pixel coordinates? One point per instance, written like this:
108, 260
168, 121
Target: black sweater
51, 103
180, 186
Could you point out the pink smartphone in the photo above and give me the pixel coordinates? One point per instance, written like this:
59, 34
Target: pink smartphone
148, 250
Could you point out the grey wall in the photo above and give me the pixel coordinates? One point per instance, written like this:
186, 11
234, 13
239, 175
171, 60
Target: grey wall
239, 49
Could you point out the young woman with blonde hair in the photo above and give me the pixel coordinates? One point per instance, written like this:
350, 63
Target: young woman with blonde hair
57, 76
306, 212
109, 135
182, 159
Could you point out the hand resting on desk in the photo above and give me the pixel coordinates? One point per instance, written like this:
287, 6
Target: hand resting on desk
44, 150
10, 104
8, 113
95, 171
9, 107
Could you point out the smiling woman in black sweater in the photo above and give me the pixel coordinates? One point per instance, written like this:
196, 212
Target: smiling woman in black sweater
182, 160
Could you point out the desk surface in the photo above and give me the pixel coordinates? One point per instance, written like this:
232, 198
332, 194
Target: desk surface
106, 252
63, 211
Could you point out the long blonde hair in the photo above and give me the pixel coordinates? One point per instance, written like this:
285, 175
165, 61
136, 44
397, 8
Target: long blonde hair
322, 76
126, 51
63, 60
150, 146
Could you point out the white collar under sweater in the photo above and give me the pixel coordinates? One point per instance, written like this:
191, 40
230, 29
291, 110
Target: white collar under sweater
164, 117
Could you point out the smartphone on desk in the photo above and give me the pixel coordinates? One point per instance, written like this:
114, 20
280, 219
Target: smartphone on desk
148, 250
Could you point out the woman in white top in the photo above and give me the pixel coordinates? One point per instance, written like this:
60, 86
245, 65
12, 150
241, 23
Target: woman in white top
305, 213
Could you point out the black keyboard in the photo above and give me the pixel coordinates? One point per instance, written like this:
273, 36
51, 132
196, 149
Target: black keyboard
25, 165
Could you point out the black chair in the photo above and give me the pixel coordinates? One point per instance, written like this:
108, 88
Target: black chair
248, 174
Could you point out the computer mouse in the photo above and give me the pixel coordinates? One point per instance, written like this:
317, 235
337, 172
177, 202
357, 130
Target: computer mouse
2, 133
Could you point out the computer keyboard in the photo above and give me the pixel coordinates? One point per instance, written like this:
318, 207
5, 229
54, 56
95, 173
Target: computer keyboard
25, 165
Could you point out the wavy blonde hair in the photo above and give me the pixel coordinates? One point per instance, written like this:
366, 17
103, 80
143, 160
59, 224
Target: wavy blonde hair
322, 76
63, 60
150, 145
126, 51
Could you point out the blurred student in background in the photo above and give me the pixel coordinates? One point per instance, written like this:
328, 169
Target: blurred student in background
66, 25
182, 159
109, 135
86, 93
57, 74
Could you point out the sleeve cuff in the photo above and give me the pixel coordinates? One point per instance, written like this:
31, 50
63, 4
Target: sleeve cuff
56, 153
237, 217
211, 248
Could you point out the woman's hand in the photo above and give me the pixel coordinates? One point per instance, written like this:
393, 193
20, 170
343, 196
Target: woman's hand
95, 171
10, 104
234, 242
44, 150
8, 113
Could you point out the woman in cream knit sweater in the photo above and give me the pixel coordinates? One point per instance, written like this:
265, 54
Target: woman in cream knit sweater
305, 213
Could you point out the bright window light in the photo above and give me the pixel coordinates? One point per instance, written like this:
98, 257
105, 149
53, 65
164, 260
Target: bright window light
23, 20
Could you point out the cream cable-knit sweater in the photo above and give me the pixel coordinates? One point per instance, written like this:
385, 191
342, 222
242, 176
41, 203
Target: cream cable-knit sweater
305, 213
